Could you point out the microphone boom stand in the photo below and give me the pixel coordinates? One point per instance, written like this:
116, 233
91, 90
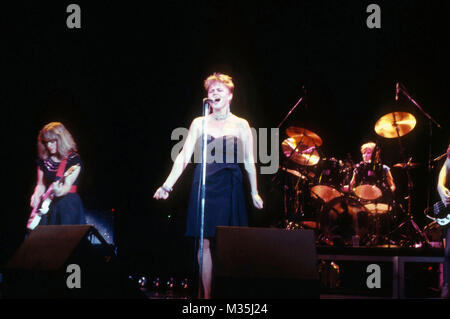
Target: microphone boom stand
430, 134
431, 120
289, 113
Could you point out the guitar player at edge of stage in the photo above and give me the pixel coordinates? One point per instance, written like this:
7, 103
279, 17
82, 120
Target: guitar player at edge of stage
444, 194
57, 153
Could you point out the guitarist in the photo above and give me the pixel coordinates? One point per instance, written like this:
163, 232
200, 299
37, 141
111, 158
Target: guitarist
57, 153
444, 193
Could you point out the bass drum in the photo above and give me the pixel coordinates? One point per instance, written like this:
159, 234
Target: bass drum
341, 219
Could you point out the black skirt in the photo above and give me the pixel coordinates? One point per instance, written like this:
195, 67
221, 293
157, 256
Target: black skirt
66, 210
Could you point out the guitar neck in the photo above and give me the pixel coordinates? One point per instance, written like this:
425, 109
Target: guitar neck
439, 206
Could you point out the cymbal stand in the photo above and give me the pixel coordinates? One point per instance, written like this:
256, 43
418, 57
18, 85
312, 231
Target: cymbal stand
408, 175
300, 206
286, 160
410, 188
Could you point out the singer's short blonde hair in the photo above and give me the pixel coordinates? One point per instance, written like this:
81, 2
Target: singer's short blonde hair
219, 77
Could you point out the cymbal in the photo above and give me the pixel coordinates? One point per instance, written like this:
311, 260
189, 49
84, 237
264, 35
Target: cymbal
303, 154
404, 165
388, 124
294, 172
305, 136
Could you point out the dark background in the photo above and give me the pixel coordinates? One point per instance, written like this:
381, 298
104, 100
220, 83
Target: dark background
135, 72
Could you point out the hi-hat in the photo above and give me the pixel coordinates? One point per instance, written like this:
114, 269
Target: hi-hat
300, 153
395, 124
304, 136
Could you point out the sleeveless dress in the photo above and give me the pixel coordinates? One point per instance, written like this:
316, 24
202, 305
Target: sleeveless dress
224, 192
68, 209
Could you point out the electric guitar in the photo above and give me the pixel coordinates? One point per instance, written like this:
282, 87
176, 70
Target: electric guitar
441, 213
45, 200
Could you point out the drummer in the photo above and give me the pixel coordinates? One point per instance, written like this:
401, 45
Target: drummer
374, 172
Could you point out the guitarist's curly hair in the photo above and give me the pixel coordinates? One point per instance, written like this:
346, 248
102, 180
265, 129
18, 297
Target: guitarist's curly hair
55, 131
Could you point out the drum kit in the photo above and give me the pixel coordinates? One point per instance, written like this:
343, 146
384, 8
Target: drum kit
320, 196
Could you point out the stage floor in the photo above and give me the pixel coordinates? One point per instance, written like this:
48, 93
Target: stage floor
346, 273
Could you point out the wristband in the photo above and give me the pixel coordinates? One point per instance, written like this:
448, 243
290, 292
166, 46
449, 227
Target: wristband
167, 189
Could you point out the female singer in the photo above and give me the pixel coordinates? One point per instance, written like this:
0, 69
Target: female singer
224, 195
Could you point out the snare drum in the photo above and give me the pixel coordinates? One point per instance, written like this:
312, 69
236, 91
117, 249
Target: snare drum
328, 179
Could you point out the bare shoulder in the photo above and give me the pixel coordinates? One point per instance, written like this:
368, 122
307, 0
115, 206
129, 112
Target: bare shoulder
197, 123
195, 127
240, 122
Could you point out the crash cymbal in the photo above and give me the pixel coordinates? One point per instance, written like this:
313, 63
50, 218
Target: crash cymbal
303, 154
305, 136
405, 165
395, 124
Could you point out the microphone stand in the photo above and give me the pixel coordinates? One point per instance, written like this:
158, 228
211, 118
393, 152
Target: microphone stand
201, 191
430, 134
431, 120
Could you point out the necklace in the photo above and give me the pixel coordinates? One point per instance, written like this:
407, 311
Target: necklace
220, 117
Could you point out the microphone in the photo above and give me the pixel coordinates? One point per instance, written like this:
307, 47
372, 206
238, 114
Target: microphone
397, 90
206, 100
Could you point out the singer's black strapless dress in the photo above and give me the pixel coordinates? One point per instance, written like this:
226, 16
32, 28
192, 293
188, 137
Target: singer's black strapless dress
224, 194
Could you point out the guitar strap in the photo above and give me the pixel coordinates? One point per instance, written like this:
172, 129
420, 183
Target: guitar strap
62, 167
61, 170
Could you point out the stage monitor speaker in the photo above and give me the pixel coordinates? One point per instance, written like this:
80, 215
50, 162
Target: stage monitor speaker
265, 263
62, 262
